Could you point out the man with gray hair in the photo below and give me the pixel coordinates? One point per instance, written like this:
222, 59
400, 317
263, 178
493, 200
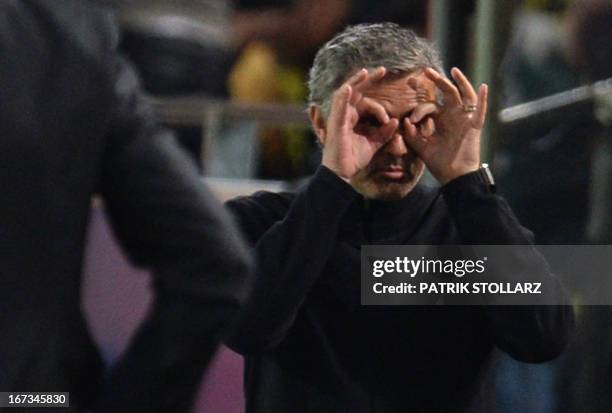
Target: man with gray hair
382, 111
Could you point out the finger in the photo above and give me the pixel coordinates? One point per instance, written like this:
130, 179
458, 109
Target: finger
465, 87
367, 105
481, 112
366, 81
451, 93
370, 78
388, 130
412, 137
354, 80
377, 74
339, 110
357, 77
421, 111
427, 128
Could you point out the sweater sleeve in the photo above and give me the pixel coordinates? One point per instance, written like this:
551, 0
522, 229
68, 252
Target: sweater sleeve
530, 333
291, 253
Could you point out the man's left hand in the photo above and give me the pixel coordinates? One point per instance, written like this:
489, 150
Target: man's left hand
450, 145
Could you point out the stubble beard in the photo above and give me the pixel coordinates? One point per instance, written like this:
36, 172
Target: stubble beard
372, 185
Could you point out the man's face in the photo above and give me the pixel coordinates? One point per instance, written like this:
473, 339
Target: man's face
395, 168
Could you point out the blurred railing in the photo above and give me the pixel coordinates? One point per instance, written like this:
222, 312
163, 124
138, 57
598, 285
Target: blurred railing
210, 113
532, 119
193, 110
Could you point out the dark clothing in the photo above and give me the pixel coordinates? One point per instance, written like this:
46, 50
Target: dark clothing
311, 347
72, 124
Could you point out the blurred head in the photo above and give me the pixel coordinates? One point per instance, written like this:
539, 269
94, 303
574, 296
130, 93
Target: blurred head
395, 169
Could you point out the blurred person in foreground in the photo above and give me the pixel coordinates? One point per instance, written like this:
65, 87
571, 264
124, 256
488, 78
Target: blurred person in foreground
74, 124
383, 111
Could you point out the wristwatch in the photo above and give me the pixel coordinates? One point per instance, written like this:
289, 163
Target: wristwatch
486, 177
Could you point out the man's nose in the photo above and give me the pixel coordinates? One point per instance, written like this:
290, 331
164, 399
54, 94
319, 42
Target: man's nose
396, 146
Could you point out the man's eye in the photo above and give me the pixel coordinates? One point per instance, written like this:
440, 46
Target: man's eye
369, 121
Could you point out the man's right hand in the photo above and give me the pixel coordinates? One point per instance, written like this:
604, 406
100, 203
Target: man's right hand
346, 148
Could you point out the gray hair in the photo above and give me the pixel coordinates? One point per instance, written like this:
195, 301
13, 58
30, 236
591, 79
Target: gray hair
368, 46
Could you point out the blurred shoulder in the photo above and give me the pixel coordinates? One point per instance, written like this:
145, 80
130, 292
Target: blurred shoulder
256, 213
262, 202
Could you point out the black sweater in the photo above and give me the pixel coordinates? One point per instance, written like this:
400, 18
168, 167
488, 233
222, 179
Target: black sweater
311, 347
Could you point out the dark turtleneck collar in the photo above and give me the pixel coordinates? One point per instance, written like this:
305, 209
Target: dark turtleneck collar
413, 198
383, 220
